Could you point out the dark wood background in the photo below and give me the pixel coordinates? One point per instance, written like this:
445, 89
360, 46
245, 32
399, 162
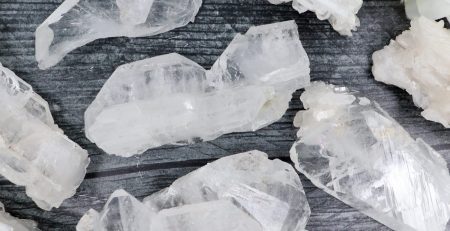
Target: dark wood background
71, 86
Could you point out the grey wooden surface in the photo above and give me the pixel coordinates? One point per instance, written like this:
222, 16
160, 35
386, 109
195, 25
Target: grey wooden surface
70, 86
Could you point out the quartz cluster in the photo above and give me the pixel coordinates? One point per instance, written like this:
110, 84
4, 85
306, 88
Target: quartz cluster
432, 9
242, 192
78, 22
352, 149
10, 223
340, 13
170, 99
419, 61
33, 151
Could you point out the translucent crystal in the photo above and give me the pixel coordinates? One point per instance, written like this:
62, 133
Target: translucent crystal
170, 99
78, 22
10, 223
432, 9
340, 13
33, 151
243, 192
352, 149
419, 61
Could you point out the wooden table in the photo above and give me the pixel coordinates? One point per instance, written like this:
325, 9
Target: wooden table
71, 86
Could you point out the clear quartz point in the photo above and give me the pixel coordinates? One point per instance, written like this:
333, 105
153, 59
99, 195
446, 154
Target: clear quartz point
10, 223
76, 23
340, 13
352, 149
242, 192
418, 61
170, 99
34, 152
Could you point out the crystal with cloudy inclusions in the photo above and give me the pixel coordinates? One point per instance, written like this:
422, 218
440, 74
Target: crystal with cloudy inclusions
33, 151
78, 22
352, 149
170, 99
242, 192
340, 13
419, 62
432, 9
10, 223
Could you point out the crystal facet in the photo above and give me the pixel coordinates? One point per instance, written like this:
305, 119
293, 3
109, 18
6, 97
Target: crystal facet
352, 149
33, 151
170, 99
340, 13
10, 223
78, 22
432, 9
243, 192
419, 61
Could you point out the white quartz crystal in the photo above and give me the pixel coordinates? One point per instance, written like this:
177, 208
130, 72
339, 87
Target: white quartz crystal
78, 22
170, 99
10, 223
33, 151
340, 13
242, 192
352, 149
432, 9
419, 61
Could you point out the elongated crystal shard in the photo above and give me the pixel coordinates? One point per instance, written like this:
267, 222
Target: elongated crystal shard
78, 22
33, 151
352, 149
340, 13
418, 61
241, 192
170, 99
10, 223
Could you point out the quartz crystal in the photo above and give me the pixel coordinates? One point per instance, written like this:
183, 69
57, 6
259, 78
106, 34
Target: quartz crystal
33, 151
340, 13
78, 22
432, 9
10, 223
419, 61
242, 192
352, 149
170, 99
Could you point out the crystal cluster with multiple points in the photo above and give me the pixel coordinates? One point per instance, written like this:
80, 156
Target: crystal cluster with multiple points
419, 61
78, 22
352, 149
33, 151
432, 9
10, 223
170, 99
241, 192
340, 13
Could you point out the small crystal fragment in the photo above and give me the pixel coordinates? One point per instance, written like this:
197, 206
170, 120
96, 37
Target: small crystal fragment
419, 62
352, 149
33, 151
10, 223
78, 22
340, 13
241, 192
432, 9
170, 99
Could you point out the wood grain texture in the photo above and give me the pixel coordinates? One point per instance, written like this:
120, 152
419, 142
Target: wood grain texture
71, 86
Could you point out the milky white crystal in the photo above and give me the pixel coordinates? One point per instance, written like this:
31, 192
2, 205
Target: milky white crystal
170, 99
352, 149
432, 9
419, 62
242, 192
340, 13
33, 151
78, 22
10, 223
